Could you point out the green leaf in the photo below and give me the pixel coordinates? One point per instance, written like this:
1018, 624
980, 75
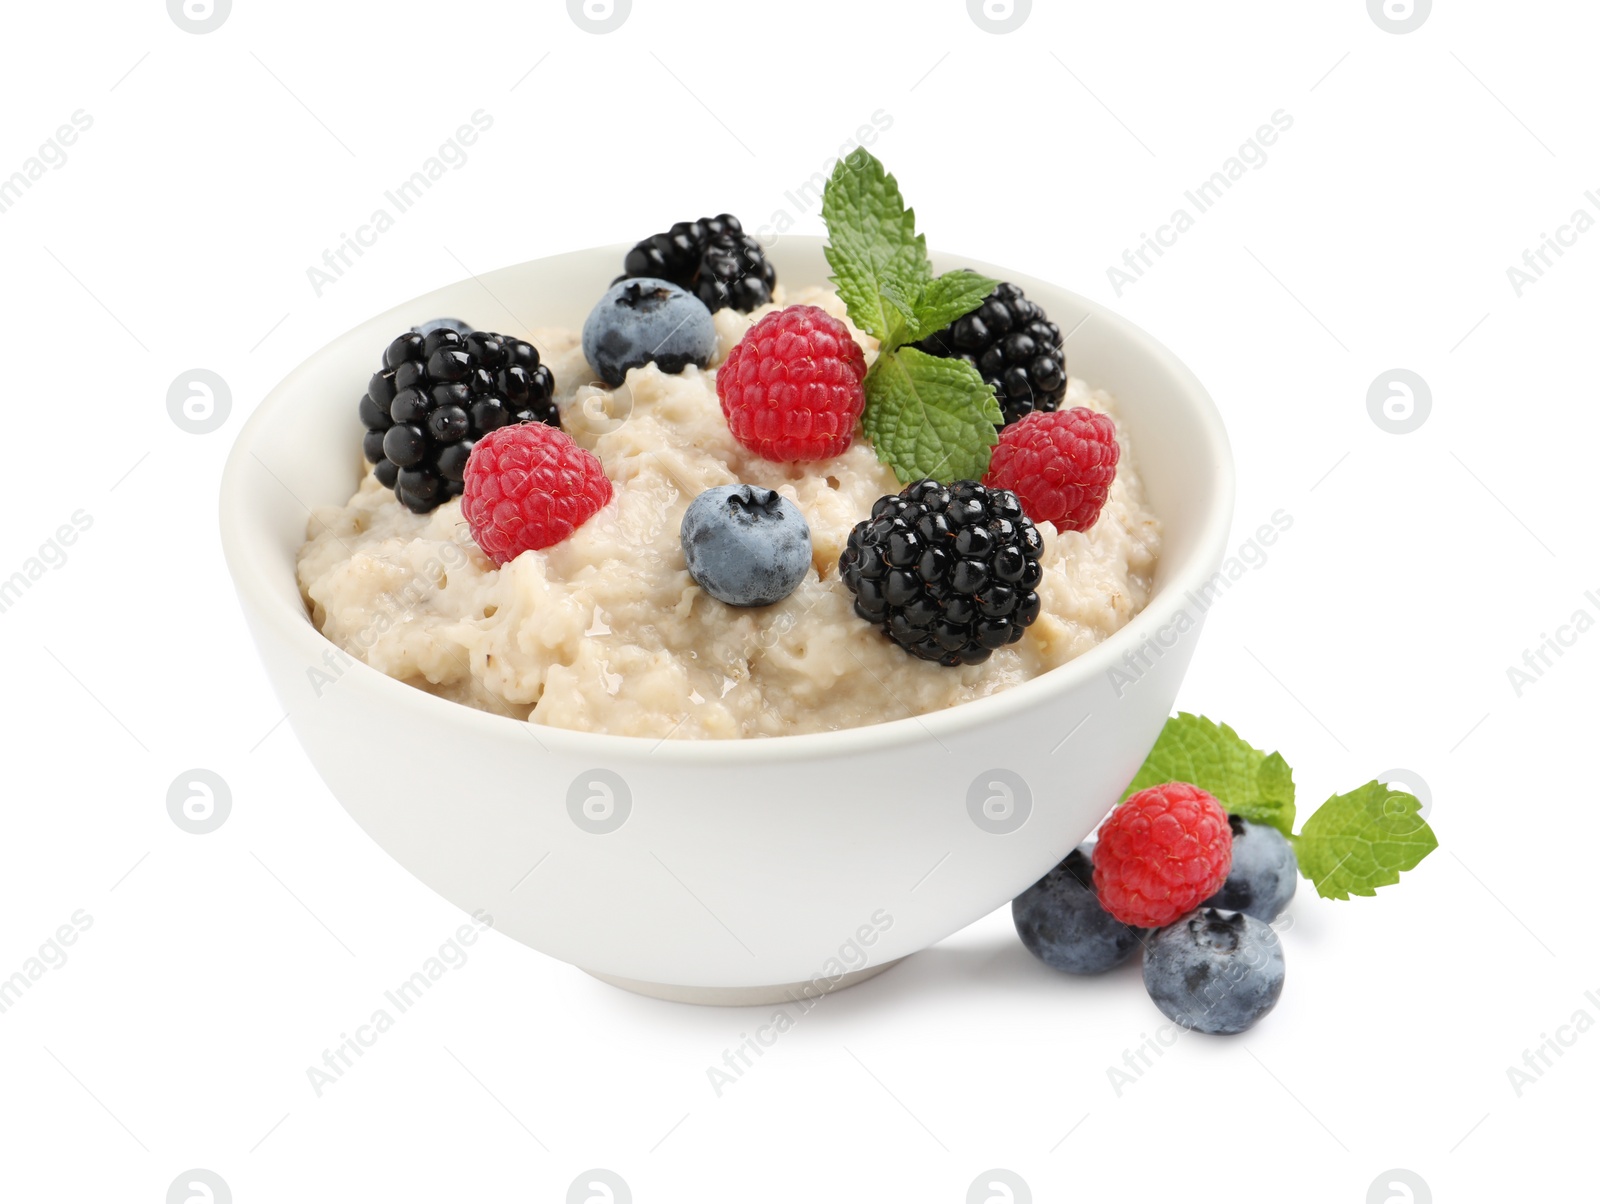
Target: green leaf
900, 315
930, 417
1274, 794
872, 241
946, 298
1357, 842
1212, 756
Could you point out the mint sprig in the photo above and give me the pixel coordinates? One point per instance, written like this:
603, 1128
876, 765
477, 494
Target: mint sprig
926, 416
1351, 845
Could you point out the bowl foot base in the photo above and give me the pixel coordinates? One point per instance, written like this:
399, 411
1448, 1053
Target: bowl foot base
742, 996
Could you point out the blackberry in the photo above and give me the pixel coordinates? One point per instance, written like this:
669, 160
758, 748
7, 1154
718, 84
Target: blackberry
950, 571
712, 258
1013, 346
437, 394
433, 324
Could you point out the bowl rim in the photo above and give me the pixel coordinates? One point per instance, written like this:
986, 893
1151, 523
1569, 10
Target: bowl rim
293, 627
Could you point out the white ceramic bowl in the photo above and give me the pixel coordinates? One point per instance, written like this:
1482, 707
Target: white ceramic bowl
739, 869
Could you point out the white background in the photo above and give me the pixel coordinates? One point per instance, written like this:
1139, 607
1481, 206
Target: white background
178, 234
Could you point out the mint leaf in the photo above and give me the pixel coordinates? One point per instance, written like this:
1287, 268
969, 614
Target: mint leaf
1357, 842
946, 298
900, 317
872, 241
930, 417
1212, 756
1275, 790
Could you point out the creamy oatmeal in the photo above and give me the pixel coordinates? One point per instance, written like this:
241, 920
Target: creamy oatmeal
607, 632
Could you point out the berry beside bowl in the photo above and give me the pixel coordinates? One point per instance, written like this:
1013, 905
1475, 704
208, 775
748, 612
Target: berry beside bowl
732, 870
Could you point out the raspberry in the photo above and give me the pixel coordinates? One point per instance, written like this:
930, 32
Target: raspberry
1061, 464
791, 390
1161, 854
529, 486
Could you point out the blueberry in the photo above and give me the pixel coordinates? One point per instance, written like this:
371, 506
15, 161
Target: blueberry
745, 545
1214, 971
642, 321
1264, 872
1060, 920
433, 324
